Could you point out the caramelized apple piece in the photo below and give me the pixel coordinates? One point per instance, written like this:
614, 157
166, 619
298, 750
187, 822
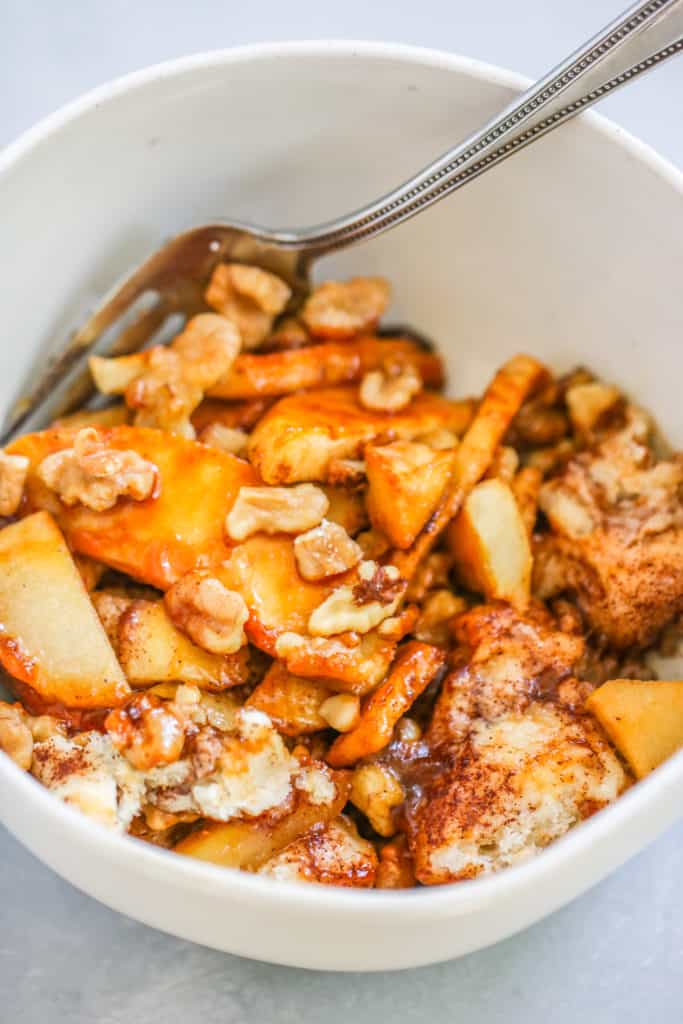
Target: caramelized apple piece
50, 635
162, 538
406, 481
347, 664
320, 366
263, 570
249, 844
152, 650
644, 720
512, 383
415, 666
291, 702
302, 434
237, 415
490, 544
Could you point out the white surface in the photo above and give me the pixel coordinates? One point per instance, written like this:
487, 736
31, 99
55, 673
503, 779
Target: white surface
412, 998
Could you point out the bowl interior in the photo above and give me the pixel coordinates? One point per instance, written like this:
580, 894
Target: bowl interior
566, 251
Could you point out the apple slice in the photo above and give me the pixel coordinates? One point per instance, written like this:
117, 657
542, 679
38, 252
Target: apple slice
490, 543
160, 539
291, 702
644, 720
50, 635
271, 374
152, 650
263, 570
405, 482
255, 375
302, 434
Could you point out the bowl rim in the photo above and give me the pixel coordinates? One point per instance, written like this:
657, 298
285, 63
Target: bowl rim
221, 883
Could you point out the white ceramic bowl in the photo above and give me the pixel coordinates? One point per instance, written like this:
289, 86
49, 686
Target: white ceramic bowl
571, 251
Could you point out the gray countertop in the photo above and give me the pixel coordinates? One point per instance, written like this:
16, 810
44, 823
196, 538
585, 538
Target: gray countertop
616, 953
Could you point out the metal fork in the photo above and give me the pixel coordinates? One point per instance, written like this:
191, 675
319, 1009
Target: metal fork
172, 280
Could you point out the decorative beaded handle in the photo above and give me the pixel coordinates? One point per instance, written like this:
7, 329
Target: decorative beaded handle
638, 40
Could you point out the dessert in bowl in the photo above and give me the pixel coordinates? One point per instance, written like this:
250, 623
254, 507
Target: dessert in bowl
375, 634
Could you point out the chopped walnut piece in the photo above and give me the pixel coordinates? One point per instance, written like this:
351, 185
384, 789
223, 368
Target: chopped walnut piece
360, 607
146, 732
248, 296
326, 550
211, 615
227, 439
340, 309
439, 608
341, 711
588, 404
574, 693
207, 347
207, 747
381, 583
15, 735
162, 396
176, 378
377, 792
96, 476
13, 473
276, 510
387, 392
266, 290
408, 730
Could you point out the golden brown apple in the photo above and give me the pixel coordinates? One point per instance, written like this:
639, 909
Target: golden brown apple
644, 720
50, 635
490, 544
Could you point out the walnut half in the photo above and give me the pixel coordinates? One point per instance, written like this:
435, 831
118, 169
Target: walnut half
359, 608
211, 615
389, 391
177, 377
248, 296
340, 309
96, 476
276, 510
146, 732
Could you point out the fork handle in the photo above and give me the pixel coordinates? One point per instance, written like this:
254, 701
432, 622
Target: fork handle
639, 39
